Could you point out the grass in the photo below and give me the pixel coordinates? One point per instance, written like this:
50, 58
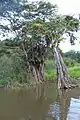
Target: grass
50, 72
50, 75
74, 71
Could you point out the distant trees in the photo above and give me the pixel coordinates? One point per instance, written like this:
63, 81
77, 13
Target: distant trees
73, 55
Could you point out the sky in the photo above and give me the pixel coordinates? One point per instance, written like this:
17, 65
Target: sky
67, 6
70, 7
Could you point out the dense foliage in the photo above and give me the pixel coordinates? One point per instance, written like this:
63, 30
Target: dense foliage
12, 63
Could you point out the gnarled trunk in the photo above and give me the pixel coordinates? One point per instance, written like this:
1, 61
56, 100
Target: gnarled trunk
63, 78
35, 74
39, 73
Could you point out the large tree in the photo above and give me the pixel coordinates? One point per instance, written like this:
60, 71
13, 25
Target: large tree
42, 28
52, 27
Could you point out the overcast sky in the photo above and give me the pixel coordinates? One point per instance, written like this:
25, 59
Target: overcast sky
71, 7
67, 6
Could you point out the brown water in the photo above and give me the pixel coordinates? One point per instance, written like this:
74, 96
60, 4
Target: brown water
40, 103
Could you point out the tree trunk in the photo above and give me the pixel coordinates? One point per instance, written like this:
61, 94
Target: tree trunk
38, 75
35, 75
63, 78
41, 70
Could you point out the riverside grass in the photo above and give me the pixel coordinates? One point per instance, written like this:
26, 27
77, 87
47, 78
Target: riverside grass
50, 71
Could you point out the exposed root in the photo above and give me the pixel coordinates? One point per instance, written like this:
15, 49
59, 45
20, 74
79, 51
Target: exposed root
70, 86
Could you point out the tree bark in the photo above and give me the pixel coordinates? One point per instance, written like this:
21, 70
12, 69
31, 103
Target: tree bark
40, 71
35, 75
63, 78
38, 75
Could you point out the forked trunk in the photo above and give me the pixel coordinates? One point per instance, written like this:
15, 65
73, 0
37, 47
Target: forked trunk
35, 74
38, 74
63, 78
41, 70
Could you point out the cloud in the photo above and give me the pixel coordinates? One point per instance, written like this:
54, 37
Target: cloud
67, 6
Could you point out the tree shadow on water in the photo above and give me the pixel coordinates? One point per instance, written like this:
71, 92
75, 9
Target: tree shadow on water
58, 110
39, 92
40, 106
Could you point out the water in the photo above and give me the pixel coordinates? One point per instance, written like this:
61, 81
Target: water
44, 102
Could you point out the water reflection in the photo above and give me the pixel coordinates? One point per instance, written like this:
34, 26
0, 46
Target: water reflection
44, 102
40, 93
67, 106
59, 109
26, 104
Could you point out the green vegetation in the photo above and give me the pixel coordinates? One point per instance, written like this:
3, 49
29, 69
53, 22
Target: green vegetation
74, 71
13, 65
72, 65
50, 71
28, 57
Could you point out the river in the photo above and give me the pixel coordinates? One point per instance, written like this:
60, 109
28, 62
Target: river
44, 102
